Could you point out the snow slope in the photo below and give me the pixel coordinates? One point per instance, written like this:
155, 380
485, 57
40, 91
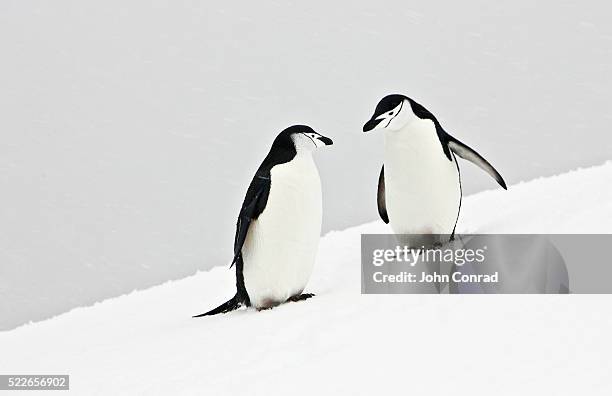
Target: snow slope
342, 342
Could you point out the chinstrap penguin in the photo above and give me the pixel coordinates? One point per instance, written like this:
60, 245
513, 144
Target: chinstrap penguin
279, 225
419, 187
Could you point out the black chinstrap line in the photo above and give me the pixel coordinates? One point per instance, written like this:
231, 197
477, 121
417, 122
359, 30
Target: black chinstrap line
400, 109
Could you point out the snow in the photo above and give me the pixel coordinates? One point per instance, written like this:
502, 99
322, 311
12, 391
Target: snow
342, 342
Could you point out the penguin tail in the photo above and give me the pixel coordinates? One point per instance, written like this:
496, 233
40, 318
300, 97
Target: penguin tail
228, 306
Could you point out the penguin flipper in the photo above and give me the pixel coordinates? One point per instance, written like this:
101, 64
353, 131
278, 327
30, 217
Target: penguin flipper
382, 206
254, 203
228, 306
467, 153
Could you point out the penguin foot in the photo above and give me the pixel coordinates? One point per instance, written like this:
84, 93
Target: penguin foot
300, 297
267, 304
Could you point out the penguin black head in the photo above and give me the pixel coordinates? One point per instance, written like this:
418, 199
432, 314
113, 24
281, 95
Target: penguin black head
301, 138
394, 112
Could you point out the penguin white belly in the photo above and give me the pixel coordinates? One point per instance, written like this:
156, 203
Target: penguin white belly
281, 246
422, 187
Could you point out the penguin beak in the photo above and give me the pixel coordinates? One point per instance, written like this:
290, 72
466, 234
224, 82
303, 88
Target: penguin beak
373, 123
327, 141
